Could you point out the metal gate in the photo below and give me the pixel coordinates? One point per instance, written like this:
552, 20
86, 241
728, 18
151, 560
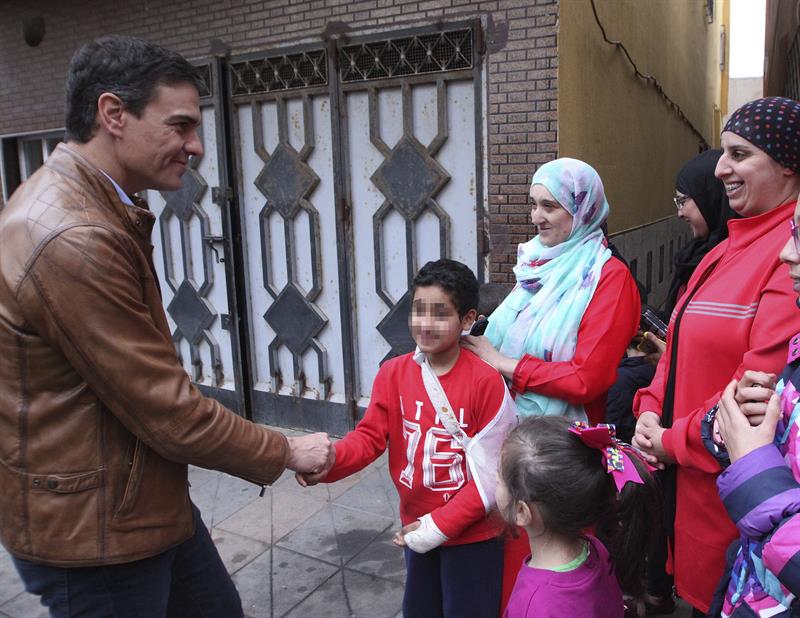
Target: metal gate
356, 162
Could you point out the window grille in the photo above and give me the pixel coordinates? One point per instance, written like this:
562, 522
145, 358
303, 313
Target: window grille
286, 72
206, 86
411, 55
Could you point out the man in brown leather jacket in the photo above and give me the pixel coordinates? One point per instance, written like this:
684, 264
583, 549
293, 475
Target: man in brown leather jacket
98, 420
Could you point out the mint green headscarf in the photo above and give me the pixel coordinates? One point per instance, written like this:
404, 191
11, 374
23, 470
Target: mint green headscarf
541, 316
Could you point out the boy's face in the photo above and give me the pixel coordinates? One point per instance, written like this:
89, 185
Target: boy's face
435, 324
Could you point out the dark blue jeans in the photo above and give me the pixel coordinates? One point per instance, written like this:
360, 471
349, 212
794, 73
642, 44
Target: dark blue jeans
457, 581
186, 581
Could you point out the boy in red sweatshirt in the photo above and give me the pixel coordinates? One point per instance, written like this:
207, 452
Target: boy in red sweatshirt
454, 560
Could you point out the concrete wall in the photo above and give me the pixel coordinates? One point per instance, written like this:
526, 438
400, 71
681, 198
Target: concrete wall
620, 124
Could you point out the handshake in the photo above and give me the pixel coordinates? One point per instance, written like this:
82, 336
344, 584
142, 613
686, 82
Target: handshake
311, 457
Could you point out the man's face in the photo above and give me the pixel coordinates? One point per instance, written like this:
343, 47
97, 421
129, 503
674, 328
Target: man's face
154, 149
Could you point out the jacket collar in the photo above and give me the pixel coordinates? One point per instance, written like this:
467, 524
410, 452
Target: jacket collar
741, 232
136, 218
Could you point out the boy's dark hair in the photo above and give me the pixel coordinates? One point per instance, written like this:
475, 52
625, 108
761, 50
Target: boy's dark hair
542, 462
455, 278
125, 66
491, 295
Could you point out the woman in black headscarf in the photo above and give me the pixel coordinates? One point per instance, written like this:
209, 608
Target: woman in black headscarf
702, 203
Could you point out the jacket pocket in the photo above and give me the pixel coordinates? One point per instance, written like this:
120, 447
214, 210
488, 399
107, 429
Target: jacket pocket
136, 465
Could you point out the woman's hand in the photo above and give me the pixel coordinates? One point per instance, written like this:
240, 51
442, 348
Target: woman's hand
483, 348
648, 439
753, 393
659, 344
740, 436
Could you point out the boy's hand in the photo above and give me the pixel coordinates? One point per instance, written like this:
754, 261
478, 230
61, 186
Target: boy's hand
309, 454
420, 536
399, 539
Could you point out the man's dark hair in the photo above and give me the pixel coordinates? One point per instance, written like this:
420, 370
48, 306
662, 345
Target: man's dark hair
125, 66
455, 278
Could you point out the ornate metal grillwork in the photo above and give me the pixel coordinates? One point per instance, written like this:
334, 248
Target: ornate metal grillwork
206, 87
412, 55
287, 181
286, 72
192, 312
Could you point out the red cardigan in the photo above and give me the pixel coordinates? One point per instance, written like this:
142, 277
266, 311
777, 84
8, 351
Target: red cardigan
608, 325
741, 317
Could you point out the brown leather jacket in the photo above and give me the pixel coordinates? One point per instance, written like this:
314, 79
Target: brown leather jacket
97, 417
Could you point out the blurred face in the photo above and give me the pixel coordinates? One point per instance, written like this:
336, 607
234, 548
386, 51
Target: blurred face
690, 213
435, 324
790, 255
552, 220
754, 182
154, 149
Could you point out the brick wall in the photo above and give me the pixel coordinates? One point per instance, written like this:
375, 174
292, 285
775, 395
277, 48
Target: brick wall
521, 78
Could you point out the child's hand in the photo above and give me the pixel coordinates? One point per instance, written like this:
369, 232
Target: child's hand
420, 536
753, 392
399, 536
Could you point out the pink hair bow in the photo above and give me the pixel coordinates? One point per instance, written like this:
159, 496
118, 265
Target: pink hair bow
615, 453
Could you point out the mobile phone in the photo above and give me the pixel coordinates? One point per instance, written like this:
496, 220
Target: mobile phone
479, 327
652, 322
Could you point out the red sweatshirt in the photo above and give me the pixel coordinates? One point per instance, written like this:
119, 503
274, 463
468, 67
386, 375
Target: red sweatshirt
741, 317
608, 325
427, 466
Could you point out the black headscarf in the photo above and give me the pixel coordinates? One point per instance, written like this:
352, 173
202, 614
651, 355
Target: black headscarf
696, 179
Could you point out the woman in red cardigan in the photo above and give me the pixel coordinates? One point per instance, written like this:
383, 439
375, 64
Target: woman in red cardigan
737, 312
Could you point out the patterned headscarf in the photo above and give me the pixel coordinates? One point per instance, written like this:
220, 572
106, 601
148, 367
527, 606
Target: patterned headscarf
773, 125
542, 314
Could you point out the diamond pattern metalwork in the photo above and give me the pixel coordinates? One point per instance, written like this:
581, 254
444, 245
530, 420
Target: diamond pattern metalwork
295, 321
191, 312
285, 180
414, 55
285, 72
181, 201
206, 88
394, 328
409, 176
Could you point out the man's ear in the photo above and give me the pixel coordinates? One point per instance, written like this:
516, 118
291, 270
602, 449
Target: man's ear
110, 113
469, 319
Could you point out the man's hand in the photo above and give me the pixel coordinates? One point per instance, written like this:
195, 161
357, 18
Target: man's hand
648, 439
308, 479
309, 454
753, 392
740, 436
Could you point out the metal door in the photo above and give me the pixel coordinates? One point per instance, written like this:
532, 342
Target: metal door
356, 161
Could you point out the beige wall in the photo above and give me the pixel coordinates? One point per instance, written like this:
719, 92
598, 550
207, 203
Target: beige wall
617, 122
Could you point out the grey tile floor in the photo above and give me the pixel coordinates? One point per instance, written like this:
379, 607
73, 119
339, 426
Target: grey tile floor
320, 552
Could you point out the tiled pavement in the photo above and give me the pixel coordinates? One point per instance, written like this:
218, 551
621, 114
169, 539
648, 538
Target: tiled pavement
310, 553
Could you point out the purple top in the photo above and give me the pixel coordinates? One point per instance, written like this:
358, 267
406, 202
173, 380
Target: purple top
589, 590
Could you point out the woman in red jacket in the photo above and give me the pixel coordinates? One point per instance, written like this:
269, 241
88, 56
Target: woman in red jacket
735, 313
560, 334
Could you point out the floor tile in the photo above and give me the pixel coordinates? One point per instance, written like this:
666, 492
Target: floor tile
295, 577
335, 534
254, 521
381, 558
24, 606
222, 497
254, 586
375, 494
352, 594
291, 508
236, 551
10, 583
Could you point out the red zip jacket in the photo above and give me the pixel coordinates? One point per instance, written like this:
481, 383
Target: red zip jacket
741, 317
608, 325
